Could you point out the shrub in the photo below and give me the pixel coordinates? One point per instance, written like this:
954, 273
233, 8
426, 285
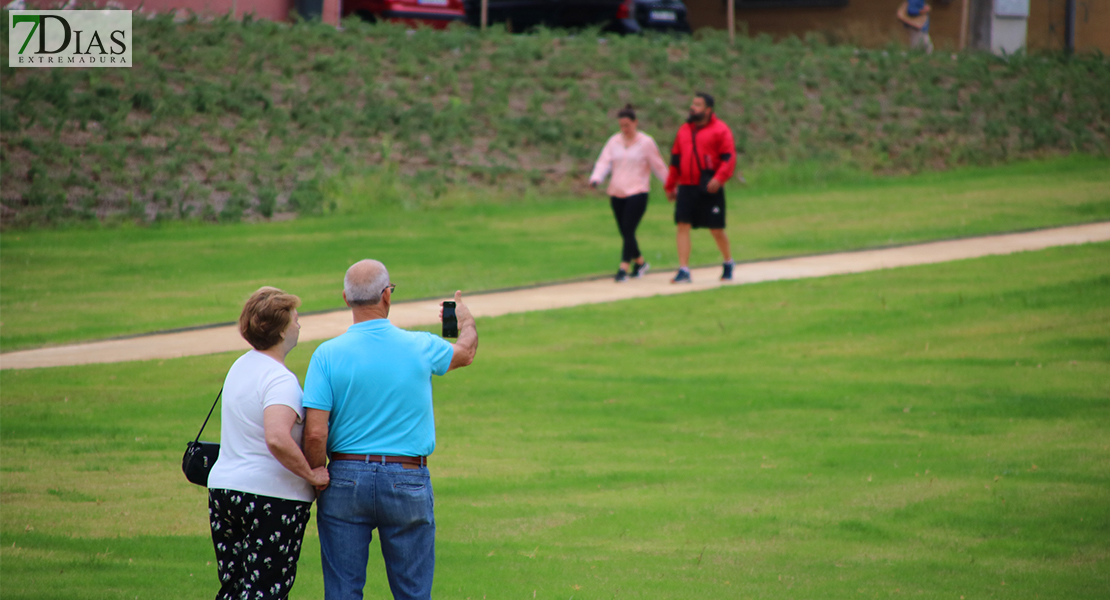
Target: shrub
267, 200
233, 209
307, 197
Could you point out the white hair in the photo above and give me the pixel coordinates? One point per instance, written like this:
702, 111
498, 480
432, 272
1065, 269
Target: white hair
365, 281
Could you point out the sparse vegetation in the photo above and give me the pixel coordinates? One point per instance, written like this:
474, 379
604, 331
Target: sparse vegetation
223, 120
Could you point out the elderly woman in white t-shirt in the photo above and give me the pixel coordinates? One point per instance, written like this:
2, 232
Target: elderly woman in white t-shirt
630, 157
260, 490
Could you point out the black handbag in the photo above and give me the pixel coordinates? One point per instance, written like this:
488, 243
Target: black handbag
200, 456
703, 183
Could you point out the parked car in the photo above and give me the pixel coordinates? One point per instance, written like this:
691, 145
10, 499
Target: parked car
623, 16
433, 13
522, 15
636, 16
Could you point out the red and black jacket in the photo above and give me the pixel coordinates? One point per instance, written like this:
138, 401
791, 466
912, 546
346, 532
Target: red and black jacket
709, 148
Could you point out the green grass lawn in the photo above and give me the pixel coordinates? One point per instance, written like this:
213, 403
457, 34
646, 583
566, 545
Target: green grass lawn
79, 284
932, 432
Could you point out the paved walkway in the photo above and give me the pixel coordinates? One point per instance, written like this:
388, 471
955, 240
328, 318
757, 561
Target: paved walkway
420, 313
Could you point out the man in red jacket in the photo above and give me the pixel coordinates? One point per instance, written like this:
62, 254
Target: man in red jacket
702, 160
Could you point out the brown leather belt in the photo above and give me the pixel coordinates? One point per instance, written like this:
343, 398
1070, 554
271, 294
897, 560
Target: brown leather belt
409, 462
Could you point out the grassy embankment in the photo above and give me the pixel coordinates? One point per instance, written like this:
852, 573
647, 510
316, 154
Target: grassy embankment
77, 284
226, 120
929, 432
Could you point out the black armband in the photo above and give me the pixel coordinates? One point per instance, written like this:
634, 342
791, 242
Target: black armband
676, 161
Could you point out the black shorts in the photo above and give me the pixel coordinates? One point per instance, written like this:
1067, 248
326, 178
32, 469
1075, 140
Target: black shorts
700, 209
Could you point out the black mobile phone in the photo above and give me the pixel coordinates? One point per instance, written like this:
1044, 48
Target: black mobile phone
450, 322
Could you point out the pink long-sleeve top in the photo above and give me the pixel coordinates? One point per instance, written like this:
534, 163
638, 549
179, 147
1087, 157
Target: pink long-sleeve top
630, 166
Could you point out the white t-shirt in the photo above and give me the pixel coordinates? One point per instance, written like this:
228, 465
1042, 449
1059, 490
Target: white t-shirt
255, 382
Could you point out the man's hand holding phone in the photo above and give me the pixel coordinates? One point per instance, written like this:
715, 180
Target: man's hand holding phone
462, 327
449, 320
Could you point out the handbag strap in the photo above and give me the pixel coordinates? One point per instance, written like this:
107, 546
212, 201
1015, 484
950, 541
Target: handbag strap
209, 415
694, 143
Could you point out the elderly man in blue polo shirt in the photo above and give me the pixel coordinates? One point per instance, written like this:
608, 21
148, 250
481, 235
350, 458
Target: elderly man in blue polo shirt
368, 398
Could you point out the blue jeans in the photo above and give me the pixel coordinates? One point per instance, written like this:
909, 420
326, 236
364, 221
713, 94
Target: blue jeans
396, 501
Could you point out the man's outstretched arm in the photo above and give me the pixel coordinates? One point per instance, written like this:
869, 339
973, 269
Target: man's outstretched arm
467, 345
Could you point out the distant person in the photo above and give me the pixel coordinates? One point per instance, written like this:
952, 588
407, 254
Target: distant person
702, 160
369, 398
914, 15
629, 158
260, 490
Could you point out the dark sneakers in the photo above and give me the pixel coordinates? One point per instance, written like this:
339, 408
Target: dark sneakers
726, 274
622, 276
683, 275
639, 270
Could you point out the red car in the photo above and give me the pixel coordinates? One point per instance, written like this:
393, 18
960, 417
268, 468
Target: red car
431, 13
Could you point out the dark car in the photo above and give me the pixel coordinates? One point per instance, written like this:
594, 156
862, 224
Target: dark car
432, 13
636, 16
522, 15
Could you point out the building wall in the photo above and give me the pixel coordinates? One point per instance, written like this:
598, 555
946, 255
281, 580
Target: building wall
273, 10
867, 22
1047, 25
872, 22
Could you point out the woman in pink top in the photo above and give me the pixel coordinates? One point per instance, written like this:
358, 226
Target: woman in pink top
630, 157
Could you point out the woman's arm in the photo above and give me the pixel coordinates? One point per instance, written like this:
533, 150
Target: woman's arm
655, 161
278, 421
604, 164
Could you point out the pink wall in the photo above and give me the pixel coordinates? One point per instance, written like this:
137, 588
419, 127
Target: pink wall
274, 10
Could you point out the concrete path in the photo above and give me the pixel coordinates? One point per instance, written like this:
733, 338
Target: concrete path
419, 313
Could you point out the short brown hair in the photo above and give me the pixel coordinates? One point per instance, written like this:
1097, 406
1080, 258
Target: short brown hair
266, 316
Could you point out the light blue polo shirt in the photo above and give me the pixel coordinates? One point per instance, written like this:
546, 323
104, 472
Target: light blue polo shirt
376, 380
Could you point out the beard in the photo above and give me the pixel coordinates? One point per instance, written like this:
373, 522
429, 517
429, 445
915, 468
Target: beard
695, 117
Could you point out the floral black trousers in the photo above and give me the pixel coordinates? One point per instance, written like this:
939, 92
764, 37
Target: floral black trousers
257, 541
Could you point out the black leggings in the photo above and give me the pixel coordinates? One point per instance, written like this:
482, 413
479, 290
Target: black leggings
628, 212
